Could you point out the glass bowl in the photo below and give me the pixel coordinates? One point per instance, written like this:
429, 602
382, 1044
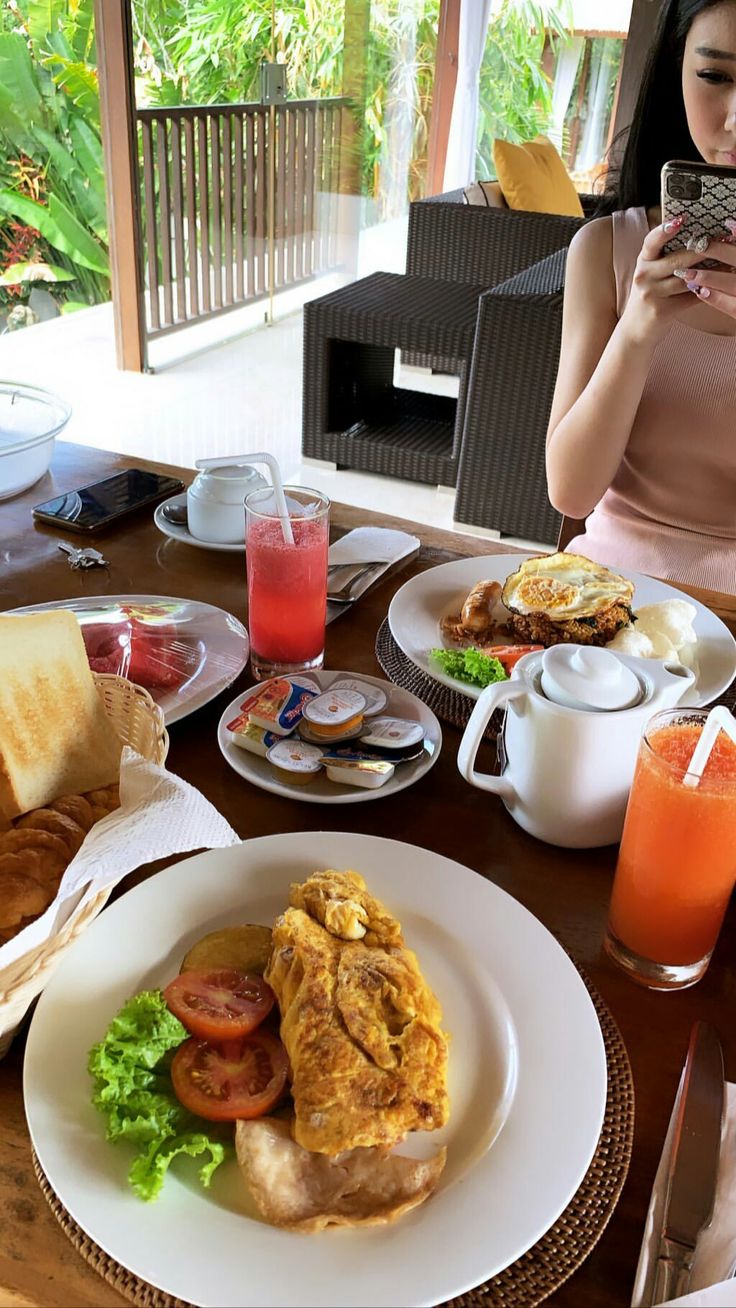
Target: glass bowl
30, 419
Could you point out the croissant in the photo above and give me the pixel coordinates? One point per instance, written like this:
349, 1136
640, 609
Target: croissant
36, 850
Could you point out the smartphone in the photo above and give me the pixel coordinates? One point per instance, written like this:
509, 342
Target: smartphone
90, 508
705, 194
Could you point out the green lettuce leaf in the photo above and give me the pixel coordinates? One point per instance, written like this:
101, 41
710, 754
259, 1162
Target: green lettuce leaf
470, 665
132, 1088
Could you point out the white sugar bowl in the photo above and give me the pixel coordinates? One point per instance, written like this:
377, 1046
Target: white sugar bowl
215, 502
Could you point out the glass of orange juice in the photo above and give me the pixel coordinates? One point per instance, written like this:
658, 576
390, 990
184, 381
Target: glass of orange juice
677, 862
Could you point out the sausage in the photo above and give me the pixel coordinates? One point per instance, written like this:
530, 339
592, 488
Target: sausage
476, 614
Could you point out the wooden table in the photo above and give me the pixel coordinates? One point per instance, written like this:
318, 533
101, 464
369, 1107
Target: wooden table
568, 890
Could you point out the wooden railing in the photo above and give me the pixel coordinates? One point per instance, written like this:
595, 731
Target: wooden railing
216, 180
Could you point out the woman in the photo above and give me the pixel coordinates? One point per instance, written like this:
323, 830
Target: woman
642, 434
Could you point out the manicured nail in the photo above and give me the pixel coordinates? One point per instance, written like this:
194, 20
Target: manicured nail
698, 244
683, 273
673, 224
702, 292
730, 223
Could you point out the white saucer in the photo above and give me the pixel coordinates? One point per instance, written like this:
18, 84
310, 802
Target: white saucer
183, 533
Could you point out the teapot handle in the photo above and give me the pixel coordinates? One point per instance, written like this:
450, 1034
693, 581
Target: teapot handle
493, 697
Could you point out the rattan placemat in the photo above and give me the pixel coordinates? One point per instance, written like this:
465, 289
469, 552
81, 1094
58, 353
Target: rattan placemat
450, 705
447, 704
532, 1277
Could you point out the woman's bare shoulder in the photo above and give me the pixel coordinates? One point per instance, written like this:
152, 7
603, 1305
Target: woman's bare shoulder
592, 244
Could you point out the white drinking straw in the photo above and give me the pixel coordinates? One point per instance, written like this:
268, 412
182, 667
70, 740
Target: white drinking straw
719, 719
240, 459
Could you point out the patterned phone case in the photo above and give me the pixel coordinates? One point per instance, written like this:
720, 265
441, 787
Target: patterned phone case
705, 215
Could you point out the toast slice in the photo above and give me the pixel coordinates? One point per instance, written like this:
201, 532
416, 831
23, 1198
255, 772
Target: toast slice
55, 736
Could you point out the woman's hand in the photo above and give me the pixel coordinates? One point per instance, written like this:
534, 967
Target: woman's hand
717, 286
660, 282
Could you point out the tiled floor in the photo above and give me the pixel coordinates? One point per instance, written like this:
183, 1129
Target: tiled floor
239, 396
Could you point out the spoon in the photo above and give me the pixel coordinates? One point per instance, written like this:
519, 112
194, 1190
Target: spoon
175, 514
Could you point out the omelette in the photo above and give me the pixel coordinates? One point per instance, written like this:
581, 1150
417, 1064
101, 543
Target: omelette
361, 1027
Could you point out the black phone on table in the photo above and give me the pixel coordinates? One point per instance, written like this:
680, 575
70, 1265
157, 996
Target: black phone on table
705, 196
90, 508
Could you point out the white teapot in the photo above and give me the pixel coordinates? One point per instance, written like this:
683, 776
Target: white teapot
570, 738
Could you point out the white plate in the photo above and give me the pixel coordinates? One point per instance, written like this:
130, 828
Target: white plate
527, 1085
216, 641
183, 533
401, 704
416, 609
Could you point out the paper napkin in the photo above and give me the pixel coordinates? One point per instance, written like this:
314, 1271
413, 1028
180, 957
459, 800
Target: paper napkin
715, 1255
364, 544
159, 814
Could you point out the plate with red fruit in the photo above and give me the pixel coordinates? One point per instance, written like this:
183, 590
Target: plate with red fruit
182, 651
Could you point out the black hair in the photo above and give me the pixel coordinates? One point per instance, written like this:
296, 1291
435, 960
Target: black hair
658, 130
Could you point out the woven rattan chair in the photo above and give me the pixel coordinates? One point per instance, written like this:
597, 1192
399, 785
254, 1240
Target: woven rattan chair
353, 416
458, 242
501, 477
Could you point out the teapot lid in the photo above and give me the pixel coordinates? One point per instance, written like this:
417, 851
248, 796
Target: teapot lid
587, 677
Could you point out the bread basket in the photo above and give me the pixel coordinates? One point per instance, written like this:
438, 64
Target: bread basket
140, 723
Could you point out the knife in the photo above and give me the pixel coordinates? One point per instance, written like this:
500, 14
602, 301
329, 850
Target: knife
693, 1166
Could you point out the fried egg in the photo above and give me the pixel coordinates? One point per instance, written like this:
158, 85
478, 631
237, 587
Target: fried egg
565, 587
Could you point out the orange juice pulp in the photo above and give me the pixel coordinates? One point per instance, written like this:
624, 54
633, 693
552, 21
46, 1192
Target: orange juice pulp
677, 862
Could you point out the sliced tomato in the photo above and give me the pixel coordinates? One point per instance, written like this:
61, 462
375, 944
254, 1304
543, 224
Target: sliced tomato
219, 1005
242, 1078
509, 655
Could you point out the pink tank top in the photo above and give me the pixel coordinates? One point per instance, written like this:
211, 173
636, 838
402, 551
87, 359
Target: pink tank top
671, 508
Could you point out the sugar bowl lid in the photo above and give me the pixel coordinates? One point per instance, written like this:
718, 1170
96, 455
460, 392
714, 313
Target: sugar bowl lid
588, 678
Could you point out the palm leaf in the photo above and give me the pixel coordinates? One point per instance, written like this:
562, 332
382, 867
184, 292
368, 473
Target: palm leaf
58, 154
17, 78
88, 153
78, 81
59, 227
43, 17
34, 272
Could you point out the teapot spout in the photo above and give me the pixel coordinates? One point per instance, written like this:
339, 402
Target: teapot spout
671, 682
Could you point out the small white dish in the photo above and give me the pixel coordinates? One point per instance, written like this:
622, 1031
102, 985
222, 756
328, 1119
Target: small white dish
184, 535
401, 704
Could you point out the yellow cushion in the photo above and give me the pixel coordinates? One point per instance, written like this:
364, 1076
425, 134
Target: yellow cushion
533, 177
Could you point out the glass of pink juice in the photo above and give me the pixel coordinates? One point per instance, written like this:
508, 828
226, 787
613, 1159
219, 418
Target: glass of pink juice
287, 584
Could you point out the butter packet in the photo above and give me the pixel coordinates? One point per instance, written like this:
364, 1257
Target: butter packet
375, 697
278, 704
248, 736
392, 733
369, 773
295, 762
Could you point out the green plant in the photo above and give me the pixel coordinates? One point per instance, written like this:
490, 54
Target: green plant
515, 92
51, 174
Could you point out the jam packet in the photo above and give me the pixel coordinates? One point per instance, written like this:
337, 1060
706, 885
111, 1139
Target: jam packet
278, 704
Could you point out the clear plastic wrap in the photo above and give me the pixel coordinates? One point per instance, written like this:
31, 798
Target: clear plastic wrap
182, 651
